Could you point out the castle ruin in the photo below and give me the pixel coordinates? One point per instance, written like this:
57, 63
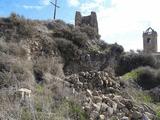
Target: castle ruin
150, 41
90, 20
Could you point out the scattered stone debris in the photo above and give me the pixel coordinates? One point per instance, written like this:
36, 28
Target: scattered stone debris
103, 97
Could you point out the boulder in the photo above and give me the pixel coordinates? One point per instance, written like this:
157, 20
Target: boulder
128, 104
101, 117
97, 106
97, 99
104, 107
88, 93
149, 115
95, 93
87, 109
136, 115
125, 110
110, 111
114, 106
94, 115
120, 105
105, 99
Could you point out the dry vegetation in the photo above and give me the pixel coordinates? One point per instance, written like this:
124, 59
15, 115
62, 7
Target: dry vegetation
38, 54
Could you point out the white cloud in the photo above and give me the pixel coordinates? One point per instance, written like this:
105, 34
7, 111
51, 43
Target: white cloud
123, 21
32, 7
45, 2
73, 3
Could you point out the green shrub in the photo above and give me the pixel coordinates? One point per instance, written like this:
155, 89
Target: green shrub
132, 75
147, 78
143, 97
130, 61
26, 114
77, 112
70, 109
157, 110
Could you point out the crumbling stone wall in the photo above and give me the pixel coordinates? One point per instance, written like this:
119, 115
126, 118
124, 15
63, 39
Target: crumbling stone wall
90, 20
150, 41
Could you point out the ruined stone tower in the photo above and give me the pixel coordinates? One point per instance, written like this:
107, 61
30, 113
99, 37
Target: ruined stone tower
150, 41
90, 20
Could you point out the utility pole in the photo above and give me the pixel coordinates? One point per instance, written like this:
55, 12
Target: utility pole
55, 8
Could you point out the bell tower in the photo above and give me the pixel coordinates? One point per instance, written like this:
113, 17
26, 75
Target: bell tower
150, 41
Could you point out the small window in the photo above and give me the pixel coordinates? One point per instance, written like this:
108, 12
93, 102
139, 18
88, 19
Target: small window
148, 40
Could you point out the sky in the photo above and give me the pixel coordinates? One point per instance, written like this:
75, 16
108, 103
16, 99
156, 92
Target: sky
120, 21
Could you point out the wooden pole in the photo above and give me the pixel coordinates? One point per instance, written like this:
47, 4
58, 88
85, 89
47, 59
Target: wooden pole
55, 8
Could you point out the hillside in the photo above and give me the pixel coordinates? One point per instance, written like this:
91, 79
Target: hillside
71, 73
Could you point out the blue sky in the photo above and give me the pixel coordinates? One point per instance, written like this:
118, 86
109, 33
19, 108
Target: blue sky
37, 9
121, 21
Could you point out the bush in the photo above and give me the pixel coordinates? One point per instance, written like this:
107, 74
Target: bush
12, 72
12, 49
116, 49
75, 35
130, 61
67, 49
67, 31
47, 65
70, 109
79, 38
147, 78
90, 31
24, 27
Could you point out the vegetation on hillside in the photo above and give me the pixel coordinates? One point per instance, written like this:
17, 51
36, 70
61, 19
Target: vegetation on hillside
41, 55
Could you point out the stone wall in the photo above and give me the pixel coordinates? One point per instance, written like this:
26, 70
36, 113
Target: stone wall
150, 41
90, 20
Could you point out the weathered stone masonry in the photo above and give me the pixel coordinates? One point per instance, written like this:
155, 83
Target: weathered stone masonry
90, 20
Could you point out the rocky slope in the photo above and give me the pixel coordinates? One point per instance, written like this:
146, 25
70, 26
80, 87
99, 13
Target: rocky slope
69, 70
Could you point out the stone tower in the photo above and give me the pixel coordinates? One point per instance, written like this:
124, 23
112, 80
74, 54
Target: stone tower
90, 20
150, 41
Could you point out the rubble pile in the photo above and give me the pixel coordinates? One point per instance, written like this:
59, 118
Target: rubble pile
104, 99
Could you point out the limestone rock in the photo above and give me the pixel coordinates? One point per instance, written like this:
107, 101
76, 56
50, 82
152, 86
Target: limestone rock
124, 118
120, 105
114, 105
88, 93
94, 115
149, 115
97, 99
136, 115
104, 107
101, 117
97, 106
110, 111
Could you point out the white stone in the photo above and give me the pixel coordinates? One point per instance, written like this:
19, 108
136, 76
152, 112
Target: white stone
104, 107
89, 93
101, 117
110, 111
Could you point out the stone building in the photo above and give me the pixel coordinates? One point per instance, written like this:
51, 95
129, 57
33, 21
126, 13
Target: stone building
150, 41
90, 20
